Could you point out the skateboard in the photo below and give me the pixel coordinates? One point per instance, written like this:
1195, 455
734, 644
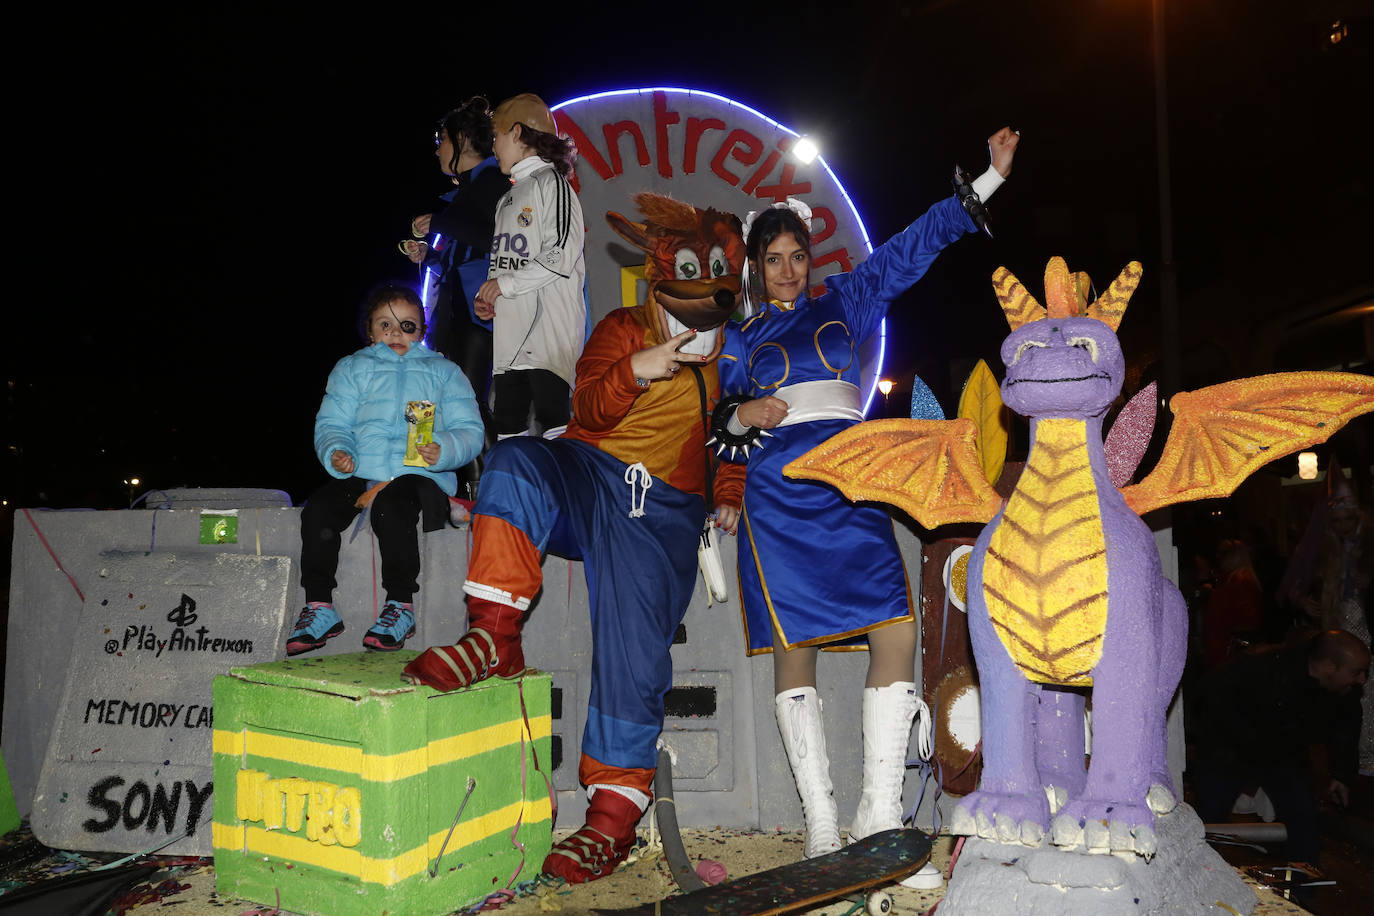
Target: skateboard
872, 862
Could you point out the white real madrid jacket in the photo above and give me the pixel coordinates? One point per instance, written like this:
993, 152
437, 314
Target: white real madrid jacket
536, 257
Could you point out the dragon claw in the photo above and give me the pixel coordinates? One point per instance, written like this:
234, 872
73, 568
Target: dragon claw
1008, 830
1096, 835
1102, 827
962, 823
1067, 832
1160, 800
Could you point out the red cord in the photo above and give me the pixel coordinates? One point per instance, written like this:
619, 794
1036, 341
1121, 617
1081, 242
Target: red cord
44, 540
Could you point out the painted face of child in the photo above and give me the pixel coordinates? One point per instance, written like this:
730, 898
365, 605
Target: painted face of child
398, 324
786, 267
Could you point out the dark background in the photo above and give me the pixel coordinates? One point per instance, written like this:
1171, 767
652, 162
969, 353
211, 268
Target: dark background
204, 197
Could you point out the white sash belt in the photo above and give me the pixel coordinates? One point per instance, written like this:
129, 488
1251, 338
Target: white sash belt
828, 399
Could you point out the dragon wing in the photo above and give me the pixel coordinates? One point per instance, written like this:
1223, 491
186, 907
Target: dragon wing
1223, 434
928, 468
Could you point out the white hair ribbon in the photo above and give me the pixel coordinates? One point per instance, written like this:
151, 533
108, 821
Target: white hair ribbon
797, 206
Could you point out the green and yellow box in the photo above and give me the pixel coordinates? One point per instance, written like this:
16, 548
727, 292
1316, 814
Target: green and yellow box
337, 785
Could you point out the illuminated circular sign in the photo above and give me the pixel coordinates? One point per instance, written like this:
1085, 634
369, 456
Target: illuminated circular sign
708, 151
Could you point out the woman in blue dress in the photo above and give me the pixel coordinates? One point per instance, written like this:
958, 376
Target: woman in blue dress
815, 569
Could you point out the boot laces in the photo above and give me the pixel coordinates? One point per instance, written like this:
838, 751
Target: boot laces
796, 710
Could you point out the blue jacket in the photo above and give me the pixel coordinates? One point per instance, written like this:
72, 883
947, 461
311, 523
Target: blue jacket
363, 414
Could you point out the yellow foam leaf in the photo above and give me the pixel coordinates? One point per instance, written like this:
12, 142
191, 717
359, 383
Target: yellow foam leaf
981, 402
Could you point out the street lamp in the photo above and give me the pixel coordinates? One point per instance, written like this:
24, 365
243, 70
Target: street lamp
885, 386
1307, 465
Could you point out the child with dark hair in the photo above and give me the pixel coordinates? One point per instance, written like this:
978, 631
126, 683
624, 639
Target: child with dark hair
534, 288
396, 419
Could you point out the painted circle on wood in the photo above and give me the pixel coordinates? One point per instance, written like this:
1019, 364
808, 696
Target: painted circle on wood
956, 576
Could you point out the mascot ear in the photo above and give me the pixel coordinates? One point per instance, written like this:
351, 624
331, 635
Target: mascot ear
634, 233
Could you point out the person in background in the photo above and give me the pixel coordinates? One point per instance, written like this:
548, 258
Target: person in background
1259, 712
1235, 605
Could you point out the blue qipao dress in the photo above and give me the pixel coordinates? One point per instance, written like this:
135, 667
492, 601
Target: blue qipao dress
810, 561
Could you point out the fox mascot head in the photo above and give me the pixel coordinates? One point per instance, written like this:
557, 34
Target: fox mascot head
692, 264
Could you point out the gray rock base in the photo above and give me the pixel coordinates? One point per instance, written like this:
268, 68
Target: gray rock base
1185, 876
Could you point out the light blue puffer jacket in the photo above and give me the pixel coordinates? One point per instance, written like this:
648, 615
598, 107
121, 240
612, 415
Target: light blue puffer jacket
363, 413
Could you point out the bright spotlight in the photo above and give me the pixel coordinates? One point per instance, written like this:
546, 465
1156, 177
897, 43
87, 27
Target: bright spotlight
805, 150
885, 386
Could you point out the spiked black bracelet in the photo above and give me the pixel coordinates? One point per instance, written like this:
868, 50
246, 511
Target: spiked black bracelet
721, 436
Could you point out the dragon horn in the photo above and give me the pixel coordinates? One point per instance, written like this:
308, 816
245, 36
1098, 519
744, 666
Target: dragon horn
1111, 305
1018, 304
1061, 293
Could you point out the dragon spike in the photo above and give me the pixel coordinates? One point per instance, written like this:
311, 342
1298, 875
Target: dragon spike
1061, 292
712, 441
1111, 305
745, 449
1018, 304
764, 432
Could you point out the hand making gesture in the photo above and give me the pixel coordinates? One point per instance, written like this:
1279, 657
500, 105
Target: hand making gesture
664, 360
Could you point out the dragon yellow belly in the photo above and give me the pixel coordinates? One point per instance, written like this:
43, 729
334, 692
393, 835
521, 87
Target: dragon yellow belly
1045, 574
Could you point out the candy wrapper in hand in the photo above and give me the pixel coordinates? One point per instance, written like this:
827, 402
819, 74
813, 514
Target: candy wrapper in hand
419, 431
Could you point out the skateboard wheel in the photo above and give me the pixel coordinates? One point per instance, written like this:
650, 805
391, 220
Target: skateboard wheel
879, 903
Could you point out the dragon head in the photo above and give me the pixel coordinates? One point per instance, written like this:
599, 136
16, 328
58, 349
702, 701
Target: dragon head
1063, 361
692, 264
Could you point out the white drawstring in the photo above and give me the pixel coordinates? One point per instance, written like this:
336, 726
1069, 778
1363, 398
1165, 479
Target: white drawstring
638, 474
924, 732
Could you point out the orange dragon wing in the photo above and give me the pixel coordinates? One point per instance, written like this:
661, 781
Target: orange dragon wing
1224, 433
928, 468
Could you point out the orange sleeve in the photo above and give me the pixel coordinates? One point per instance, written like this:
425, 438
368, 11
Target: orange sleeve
729, 484
606, 388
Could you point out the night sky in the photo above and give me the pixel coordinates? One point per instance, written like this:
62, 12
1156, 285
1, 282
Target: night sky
208, 195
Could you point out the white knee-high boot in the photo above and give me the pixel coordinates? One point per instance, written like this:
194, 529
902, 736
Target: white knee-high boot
803, 736
887, 716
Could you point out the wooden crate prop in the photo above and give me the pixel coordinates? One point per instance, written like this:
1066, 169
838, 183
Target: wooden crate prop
337, 785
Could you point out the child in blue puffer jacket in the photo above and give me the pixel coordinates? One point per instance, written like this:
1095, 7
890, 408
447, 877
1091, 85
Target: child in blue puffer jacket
370, 434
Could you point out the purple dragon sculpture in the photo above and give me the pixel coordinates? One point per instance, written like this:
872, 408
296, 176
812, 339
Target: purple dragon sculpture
1066, 596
